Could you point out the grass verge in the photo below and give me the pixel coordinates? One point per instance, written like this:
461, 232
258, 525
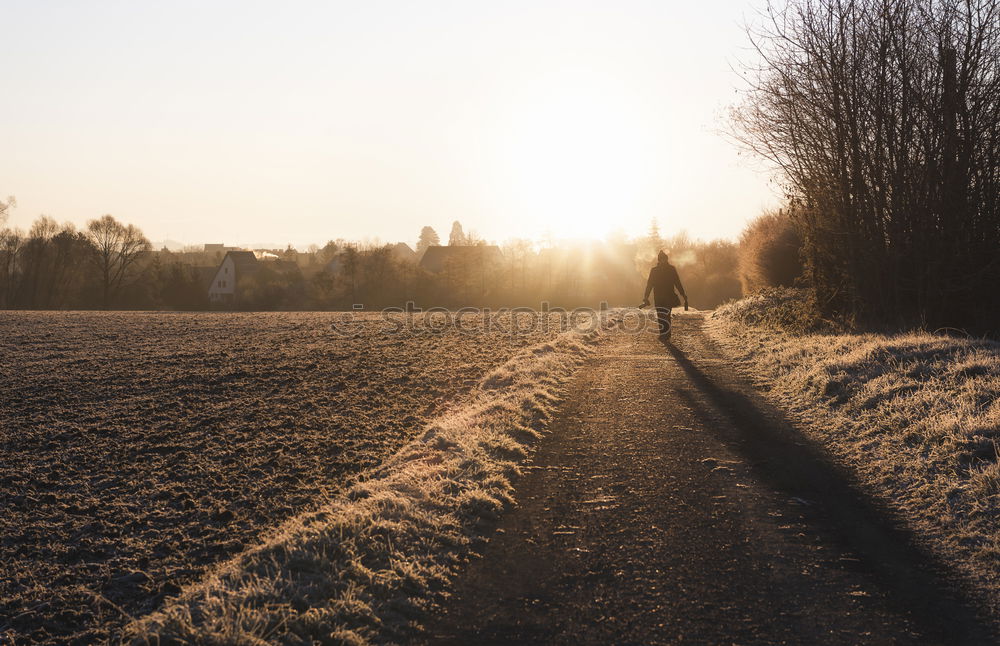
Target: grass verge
363, 567
915, 416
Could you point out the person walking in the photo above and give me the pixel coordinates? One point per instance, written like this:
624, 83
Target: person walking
666, 285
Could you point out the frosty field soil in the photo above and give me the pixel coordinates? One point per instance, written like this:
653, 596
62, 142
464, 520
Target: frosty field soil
138, 449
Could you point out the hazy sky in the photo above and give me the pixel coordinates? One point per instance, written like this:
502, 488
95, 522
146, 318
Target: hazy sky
299, 122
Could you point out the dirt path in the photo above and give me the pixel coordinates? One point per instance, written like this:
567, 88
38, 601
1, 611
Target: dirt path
671, 505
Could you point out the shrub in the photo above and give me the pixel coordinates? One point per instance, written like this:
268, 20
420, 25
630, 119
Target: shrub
782, 309
770, 253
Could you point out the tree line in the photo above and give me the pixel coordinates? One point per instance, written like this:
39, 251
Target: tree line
110, 264
58, 266
343, 274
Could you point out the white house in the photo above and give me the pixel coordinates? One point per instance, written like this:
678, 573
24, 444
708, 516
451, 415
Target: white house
236, 265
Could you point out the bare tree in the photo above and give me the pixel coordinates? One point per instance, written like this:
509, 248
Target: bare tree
49, 264
474, 239
117, 250
654, 239
5, 208
517, 252
350, 272
883, 118
11, 242
70, 249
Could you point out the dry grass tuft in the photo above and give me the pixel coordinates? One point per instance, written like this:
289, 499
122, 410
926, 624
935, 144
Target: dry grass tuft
363, 566
916, 416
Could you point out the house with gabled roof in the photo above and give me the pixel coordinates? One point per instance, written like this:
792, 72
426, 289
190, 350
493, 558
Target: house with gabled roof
463, 272
404, 253
235, 266
241, 273
437, 259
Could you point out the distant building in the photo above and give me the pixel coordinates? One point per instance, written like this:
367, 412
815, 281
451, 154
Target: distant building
438, 259
218, 248
235, 266
239, 267
402, 252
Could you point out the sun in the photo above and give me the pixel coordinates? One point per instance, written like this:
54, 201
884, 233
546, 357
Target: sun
575, 162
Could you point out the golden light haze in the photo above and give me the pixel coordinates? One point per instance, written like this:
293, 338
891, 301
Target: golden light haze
298, 122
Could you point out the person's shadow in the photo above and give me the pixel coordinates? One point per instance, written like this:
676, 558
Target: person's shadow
791, 463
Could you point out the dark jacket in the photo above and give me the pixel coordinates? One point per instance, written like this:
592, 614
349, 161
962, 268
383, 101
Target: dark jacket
663, 280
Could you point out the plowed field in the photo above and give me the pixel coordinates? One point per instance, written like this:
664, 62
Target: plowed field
138, 449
